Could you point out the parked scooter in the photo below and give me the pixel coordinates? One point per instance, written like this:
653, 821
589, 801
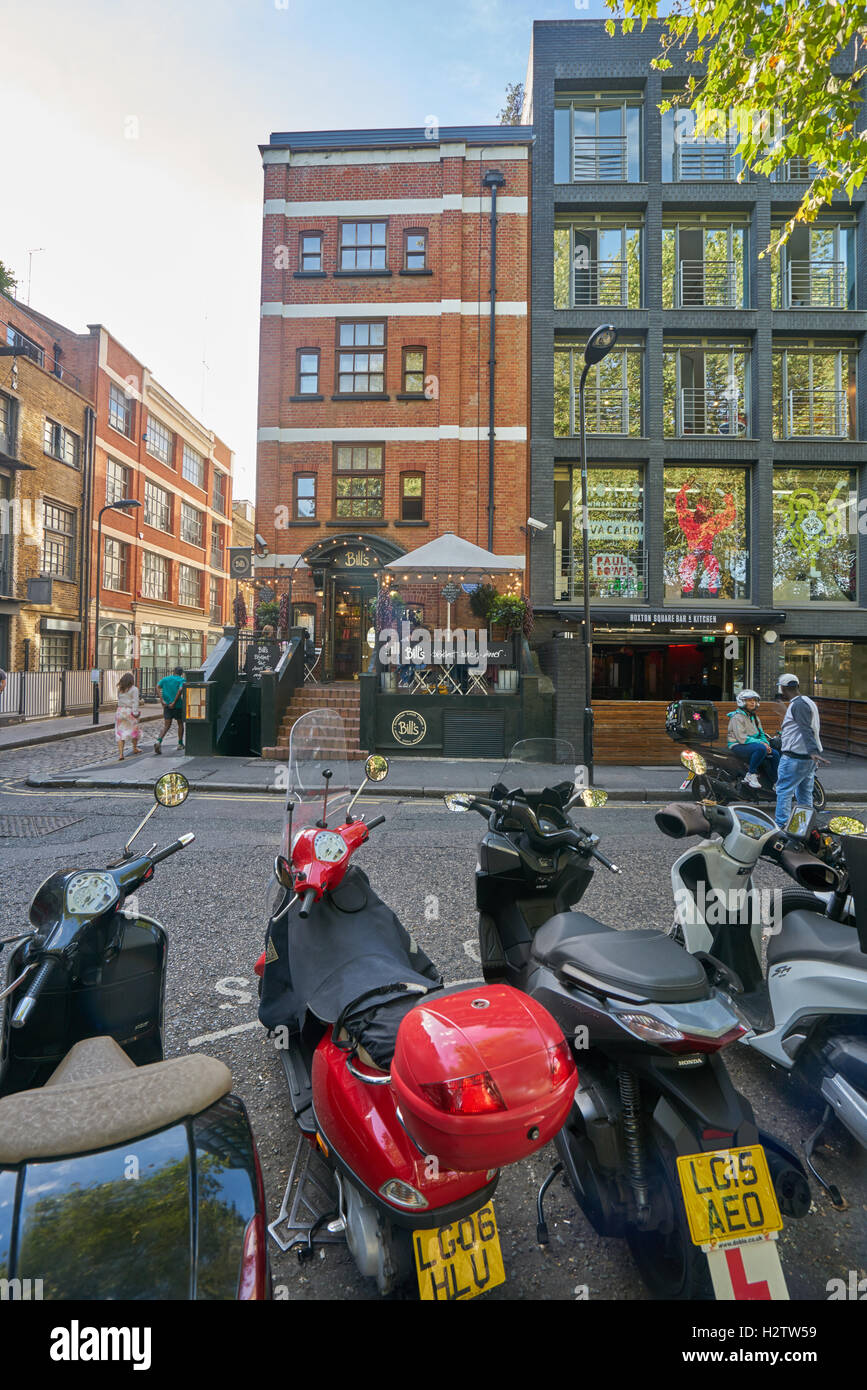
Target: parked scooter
646, 1024
87, 1104
807, 1010
716, 774
416, 1096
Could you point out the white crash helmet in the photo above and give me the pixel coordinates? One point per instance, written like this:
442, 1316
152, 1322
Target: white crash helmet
748, 695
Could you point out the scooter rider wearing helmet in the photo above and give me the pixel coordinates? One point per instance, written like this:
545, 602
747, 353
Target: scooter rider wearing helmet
748, 740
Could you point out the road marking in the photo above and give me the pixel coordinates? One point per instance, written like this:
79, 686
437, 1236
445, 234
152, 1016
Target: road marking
224, 1033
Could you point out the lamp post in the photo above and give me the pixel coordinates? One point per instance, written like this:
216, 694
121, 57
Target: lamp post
126, 504
599, 345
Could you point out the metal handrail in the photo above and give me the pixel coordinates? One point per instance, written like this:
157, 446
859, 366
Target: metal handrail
34, 353
593, 284
599, 158
822, 411
701, 410
815, 285
607, 411
709, 284
795, 170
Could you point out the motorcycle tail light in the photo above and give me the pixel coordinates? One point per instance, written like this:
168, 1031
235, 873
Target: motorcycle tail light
466, 1095
259, 967
561, 1063
653, 1030
403, 1195
254, 1262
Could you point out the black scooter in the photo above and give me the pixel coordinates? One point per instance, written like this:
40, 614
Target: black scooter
647, 1026
122, 1176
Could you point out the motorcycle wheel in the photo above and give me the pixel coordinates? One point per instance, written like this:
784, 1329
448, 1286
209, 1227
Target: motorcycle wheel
670, 1265
818, 796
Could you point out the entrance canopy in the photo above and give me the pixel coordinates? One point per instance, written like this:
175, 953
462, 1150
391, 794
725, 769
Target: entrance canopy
452, 554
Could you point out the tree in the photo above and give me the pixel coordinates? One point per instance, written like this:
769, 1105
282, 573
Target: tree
8, 282
511, 112
770, 62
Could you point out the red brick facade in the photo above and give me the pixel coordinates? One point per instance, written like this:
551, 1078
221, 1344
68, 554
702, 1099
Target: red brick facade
437, 304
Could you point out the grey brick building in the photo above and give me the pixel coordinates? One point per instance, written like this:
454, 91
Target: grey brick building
727, 432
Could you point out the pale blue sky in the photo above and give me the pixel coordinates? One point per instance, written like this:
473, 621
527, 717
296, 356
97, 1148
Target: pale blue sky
129, 153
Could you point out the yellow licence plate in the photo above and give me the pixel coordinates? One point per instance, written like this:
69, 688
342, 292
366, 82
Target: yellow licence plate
728, 1195
461, 1260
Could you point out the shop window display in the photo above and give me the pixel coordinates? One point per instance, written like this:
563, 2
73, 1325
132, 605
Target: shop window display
706, 534
814, 540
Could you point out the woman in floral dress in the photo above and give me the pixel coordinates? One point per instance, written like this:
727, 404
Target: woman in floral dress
126, 725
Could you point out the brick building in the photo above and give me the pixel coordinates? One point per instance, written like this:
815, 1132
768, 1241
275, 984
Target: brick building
46, 444
164, 592
727, 431
374, 365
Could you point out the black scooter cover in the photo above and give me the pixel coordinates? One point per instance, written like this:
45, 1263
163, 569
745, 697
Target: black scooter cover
351, 944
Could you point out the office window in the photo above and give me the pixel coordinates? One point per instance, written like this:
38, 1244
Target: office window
8, 408
58, 542
311, 251
814, 392
414, 360
615, 506
55, 651
362, 246
308, 371
192, 524
115, 565
598, 140
703, 265
411, 496
816, 268
157, 507
361, 358
706, 390
815, 525
160, 441
193, 467
305, 496
415, 250
120, 410
699, 150
706, 531
218, 492
117, 482
214, 603
358, 481
154, 577
217, 546
61, 443
612, 393
598, 264
189, 586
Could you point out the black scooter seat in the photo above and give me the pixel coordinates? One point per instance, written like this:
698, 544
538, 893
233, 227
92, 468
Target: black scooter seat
810, 935
644, 963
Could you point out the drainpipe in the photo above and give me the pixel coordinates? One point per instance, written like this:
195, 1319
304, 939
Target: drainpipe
494, 180
86, 512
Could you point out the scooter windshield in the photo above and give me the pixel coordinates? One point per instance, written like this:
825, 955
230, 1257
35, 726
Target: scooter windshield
536, 764
318, 768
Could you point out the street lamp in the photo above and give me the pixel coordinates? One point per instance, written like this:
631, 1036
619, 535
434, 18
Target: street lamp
125, 504
599, 345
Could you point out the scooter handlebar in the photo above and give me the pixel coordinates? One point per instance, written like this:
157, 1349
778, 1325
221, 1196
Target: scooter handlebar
180, 843
308, 901
28, 1003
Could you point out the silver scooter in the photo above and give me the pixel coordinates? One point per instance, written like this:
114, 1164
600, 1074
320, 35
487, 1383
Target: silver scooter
807, 1011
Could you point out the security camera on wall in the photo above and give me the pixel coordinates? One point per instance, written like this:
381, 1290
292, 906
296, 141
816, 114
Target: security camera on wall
537, 525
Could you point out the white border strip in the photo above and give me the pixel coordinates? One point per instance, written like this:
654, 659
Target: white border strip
507, 434
390, 308
391, 207
431, 153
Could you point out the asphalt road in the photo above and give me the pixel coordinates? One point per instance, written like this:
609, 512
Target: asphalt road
212, 900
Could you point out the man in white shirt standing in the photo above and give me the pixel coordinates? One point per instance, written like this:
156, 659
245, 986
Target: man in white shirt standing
801, 750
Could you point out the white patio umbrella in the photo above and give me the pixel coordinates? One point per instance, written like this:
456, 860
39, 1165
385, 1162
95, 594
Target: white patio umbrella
451, 556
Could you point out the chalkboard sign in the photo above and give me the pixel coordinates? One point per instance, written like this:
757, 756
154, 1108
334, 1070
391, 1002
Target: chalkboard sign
261, 657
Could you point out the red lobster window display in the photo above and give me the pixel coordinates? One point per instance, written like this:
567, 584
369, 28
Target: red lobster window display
701, 526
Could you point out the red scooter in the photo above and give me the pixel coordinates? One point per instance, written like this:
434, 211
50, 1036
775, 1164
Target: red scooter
413, 1095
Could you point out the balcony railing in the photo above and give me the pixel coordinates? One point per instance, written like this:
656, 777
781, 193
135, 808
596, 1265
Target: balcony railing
613, 575
708, 284
599, 158
794, 171
698, 162
814, 285
601, 282
609, 412
701, 410
36, 354
811, 412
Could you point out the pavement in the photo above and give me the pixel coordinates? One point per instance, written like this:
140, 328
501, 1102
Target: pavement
25, 733
844, 780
